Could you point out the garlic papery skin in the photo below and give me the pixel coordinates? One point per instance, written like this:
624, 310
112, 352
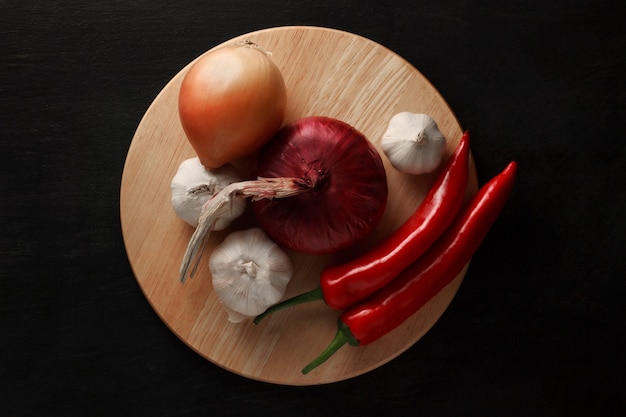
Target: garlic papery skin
193, 185
413, 143
249, 272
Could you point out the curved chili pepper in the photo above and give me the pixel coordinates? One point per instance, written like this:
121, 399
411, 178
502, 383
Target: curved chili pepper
343, 285
374, 317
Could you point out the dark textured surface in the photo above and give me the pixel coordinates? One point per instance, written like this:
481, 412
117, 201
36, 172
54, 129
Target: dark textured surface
537, 328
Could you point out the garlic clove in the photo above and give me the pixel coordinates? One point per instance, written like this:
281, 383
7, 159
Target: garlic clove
249, 273
193, 185
413, 143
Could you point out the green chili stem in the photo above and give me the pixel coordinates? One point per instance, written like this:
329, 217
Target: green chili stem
343, 336
340, 339
313, 295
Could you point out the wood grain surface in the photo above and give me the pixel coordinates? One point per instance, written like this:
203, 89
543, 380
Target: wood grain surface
327, 72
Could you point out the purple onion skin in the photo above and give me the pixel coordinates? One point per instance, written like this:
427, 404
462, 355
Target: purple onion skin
346, 182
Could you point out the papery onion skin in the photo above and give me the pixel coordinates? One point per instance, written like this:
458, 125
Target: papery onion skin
231, 102
348, 181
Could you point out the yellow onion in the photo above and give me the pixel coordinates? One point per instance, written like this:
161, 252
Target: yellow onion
231, 102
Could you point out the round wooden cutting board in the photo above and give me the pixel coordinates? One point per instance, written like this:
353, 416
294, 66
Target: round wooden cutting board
329, 73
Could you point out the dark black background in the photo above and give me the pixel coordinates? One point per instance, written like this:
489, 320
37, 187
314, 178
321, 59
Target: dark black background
538, 326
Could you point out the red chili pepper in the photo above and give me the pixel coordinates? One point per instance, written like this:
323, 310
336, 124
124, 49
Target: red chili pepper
343, 285
374, 317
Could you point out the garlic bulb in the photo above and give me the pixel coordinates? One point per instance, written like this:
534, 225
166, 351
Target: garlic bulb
413, 143
194, 185
250, 273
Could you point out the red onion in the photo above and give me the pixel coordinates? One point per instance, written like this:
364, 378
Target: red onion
345, 180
